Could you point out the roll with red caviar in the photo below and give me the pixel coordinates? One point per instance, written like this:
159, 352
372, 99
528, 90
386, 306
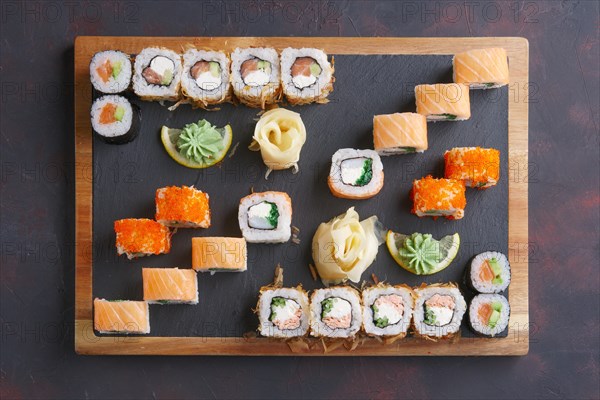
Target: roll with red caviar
438, 198
141, 237
475, 166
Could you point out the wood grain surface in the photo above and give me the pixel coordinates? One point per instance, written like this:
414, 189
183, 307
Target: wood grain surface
517, 341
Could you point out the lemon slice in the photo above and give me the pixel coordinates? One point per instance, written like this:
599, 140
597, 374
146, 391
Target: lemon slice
420, 254
169, 138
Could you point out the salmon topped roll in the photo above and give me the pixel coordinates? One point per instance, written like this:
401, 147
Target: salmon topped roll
481, 68
119, 316
219, 254
477, 167
182, 207
438, 198
443, 101
141, 237
399, 133
170, 286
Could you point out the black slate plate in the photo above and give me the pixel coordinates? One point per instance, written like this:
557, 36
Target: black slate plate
127, 176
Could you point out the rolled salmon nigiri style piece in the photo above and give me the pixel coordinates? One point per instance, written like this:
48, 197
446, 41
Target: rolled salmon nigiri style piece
399, 133
443, 101
219, 254
119, 316
481, 68
170, 286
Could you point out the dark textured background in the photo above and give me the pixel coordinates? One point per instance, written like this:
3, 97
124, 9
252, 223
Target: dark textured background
365, 86
37, 183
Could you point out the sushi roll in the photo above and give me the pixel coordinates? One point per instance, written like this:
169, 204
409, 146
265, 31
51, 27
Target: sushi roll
205, 77
266, 217
170, 286
399, 133
219, 254
481, 68
115, 120
110, 71
141, 237
255, 76
121, 316
355, 174
489, 314
306, 75
477, 167
438, 311
438, 198
157, 74
443, 101
283, 312
387, 310
335, 312
489, 272
182, 207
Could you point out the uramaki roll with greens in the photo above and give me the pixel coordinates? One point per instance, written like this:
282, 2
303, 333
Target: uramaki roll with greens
266, 217
439, 310
157, 74
283, 312
387, 310
335, 312
255, 76
306, 75
205, 77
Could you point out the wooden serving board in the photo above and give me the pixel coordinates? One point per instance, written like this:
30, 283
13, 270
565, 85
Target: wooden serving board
515, 343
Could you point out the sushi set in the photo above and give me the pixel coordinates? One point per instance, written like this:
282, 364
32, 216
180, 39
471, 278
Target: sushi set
301, 196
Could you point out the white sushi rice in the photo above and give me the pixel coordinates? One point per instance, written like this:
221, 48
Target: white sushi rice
255, 95
281, 233
489, 287
267, 328
114, 85
318, 328
191, 88
502, 322
336, 178
148, 91
318, 90
460, 306
370, 295
117, 128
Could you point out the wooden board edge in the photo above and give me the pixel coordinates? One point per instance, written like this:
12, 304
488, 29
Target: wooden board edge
86, 343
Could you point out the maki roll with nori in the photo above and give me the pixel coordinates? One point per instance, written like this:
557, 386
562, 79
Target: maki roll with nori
205, 77
439, 310
110, 71
306, 75
115, 120
489, 272
266, 217
489, 314
355, 174
157, 74
283, 312
387, 310
255, 76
